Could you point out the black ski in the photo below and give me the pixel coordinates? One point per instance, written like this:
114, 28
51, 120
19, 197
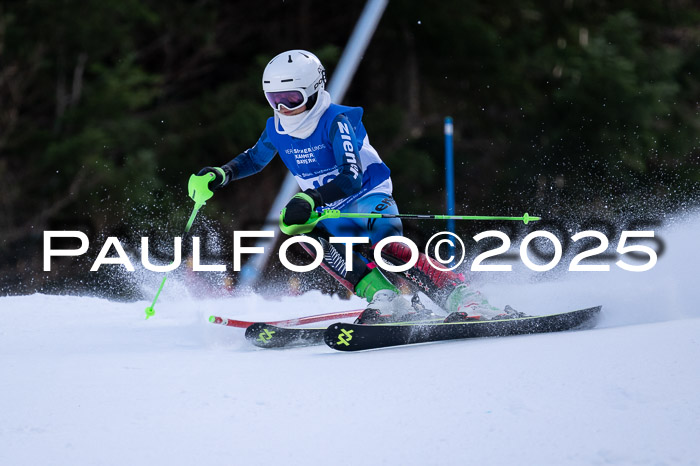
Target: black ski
352, 337
270, 336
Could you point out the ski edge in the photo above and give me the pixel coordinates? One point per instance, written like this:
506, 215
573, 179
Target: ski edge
288, 322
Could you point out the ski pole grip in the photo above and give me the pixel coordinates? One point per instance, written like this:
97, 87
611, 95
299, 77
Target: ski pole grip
198, 188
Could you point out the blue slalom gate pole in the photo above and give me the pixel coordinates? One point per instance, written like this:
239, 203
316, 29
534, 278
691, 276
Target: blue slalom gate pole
449, 175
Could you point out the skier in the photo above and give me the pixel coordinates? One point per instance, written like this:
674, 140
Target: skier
325, 146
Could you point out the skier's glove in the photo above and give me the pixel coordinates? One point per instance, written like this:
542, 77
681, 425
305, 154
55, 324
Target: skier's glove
299, 208
221, 178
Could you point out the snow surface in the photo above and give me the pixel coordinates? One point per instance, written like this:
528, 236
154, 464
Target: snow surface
85, 381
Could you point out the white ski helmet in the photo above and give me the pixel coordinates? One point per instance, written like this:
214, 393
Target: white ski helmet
293, 79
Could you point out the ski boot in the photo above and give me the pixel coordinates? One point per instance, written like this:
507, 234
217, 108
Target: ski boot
460, 316
510, 313
465, 304
386, 304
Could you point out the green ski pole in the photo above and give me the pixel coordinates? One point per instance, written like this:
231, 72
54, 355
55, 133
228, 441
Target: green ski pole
327, 214
200, 193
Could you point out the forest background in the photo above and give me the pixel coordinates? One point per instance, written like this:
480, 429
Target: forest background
581, 111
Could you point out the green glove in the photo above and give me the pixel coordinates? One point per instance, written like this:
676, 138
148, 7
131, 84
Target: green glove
299, 207
222, 176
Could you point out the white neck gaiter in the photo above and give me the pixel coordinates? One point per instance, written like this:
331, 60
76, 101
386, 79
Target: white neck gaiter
302, 125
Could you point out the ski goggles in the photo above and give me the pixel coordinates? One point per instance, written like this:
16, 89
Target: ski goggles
292, 99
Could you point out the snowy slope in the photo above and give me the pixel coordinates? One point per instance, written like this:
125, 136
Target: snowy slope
85, 381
